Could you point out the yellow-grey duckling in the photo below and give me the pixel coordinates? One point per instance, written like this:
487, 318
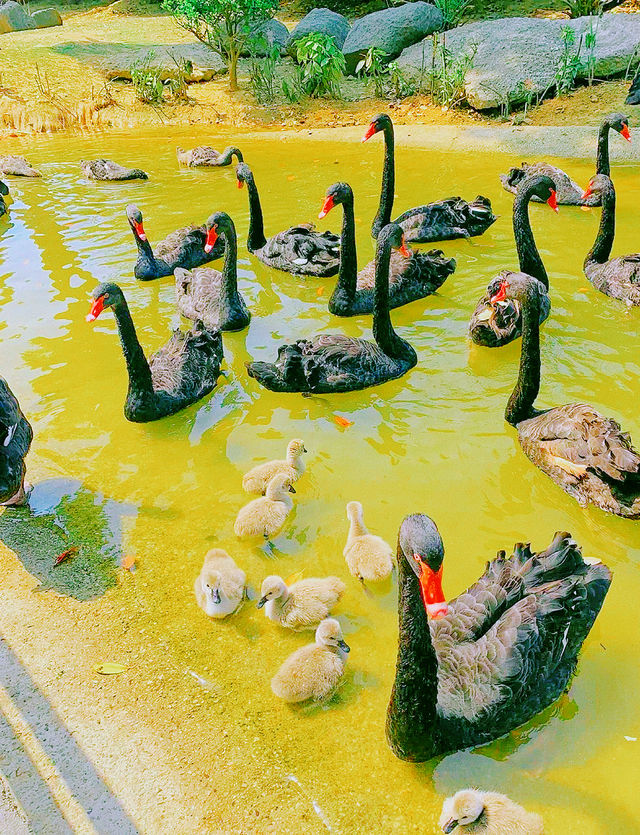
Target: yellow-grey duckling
487, 813
313, 671
257, 479
220, 586
266, 516
368, 556
301, 605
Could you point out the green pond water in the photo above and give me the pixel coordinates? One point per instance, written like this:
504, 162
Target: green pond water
433, 441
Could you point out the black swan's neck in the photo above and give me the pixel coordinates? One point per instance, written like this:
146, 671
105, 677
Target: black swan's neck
144, 247
228, 154
412, 713
528, 255
388, 183
230, 267
383, 332
140, 382
603, 244
345, 289
520, 406
602, 158
256, 239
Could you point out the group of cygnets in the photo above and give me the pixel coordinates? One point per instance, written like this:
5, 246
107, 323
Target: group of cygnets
313, 671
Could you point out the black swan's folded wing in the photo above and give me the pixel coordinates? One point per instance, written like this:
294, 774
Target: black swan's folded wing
188, 362
302, 245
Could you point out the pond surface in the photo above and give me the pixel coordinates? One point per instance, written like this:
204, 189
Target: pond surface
433, 441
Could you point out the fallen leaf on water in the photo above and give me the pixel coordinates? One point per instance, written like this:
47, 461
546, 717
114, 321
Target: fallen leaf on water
631, 738
586, 208
291, 177
583, 289
65, 555
109, 668
320, 291
293, 578
128, 562
341, 421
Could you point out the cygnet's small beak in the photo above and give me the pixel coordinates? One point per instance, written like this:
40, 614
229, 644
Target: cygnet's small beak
261, 602
344, 646
291, 488
450, 825
304, 449
215, 594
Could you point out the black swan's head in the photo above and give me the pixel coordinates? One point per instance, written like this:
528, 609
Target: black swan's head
599, 185
380, 122
243, 174
540, 186
619, 122
392, 235
420, 545
105, 295
338, 193
218, 224
518, 287
134, 216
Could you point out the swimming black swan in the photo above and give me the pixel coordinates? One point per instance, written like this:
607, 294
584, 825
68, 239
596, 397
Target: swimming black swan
334, 362
17, 166
205, 156
472, 670
4, 192
569, 192
499, 323
298, 250
16, 435
106, 169
176, 376
410, 278
583, 452
185, 247
210, 296
442, 220
618, 277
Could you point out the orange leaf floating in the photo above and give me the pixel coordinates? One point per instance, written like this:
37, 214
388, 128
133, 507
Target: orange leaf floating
128, 562
293, 578
66, 555
586, 208
583, 290
341, 421
291, 177
320, 291
109, 668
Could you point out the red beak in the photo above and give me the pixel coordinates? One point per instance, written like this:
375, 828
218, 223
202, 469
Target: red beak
404, 249
625, 132
501, 295
212, 237
370, 131
326, 206
587, 192
140, 231
553, 201
433, 597
96, 309
240, 183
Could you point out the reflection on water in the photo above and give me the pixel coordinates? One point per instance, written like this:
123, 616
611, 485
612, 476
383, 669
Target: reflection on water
433, 441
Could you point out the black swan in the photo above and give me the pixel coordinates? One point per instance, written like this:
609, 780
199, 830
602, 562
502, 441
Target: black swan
583, 452
618, 277
4, 192
410, 278
17, 166
16, 435
498, 323
442, 220
210, 296
569, 192
470, 671
205, 156
106, 169
176, 376
334, 362
186, 247
298, 250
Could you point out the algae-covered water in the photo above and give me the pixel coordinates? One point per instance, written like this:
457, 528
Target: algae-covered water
433, 441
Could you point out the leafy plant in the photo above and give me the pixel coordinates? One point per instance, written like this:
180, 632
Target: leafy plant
569, 64
149, 85
322, 65
374, 66
262, 76
590, 40
448, 74
400, 85
452, 11
226, 26
580, 8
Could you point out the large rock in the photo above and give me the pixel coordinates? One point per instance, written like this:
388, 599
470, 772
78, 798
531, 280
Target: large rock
320, 20
517, 57
267, 36
115, 60
391, 30
46, 17
13, 18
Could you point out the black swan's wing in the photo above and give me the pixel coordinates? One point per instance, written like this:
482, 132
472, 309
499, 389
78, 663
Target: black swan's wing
424, 271
568, 192
197, 290
447, 219
204, 155
16, 435
189, 363
618, 278
301, 249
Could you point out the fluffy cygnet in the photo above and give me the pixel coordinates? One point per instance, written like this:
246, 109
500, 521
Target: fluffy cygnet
219, 587
266, 515
487, 813
257, 479
314, 671
301, 605
368, 556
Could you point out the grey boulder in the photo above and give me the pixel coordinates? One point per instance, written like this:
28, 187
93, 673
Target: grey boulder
320, 20
13, 18
267, 36
391, 30
44, 18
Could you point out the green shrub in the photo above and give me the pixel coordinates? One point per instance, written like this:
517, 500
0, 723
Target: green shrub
580, 8
151, 88
321, 64
374, 66
452, 11
448, 74
262, 77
